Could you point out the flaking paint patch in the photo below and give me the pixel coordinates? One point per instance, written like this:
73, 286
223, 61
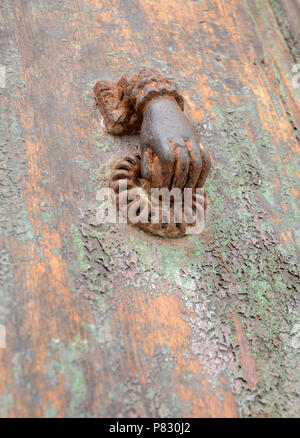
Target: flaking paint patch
247, 361
236, 265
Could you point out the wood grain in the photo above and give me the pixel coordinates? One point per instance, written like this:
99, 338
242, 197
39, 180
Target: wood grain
291, 12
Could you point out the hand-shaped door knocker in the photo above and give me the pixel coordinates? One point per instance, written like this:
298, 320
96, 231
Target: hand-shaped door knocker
172, 161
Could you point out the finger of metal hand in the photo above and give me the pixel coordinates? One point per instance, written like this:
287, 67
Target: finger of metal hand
206, 165
157, 160
162, 164
145, 163
196, 164
165, 152
180, 168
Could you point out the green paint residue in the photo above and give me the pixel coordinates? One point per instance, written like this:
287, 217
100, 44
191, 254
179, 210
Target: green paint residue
68, 360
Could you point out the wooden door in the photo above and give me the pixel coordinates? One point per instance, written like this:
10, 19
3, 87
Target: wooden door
105, 320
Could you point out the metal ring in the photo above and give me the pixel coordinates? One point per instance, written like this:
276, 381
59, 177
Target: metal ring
133, 201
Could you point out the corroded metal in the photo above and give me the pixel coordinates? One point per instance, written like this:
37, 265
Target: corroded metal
122, 103
171, 153
148, 213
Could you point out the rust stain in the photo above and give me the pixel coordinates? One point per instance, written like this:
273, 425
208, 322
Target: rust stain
247, 361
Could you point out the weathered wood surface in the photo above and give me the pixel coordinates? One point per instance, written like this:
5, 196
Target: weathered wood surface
106, 320
287, 13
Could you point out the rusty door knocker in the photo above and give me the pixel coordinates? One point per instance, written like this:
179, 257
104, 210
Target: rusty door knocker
171, 156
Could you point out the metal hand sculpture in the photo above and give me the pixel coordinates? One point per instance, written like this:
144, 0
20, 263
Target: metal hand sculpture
171, 153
